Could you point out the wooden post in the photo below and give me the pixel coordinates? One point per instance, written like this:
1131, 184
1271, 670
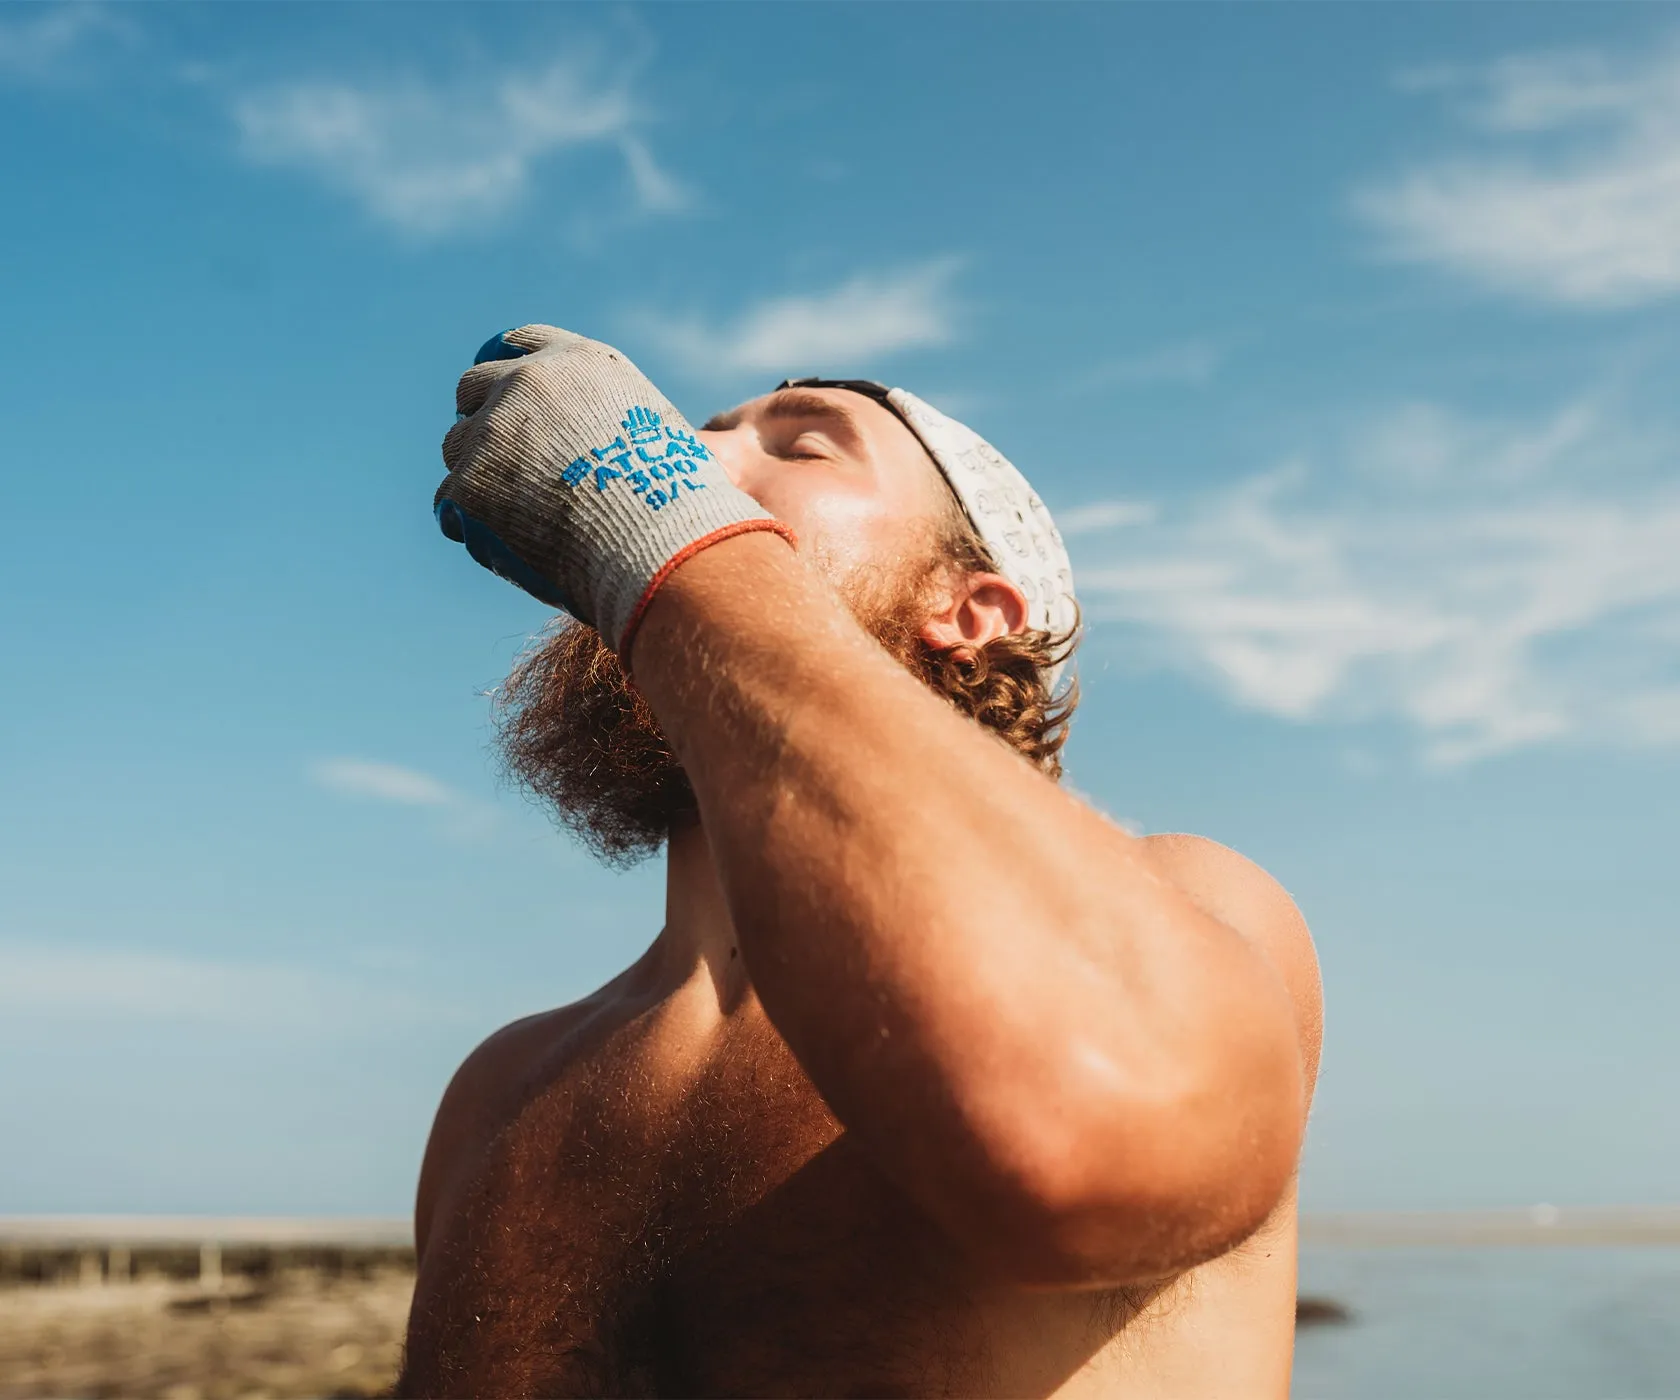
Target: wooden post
118, 1264
210, 1265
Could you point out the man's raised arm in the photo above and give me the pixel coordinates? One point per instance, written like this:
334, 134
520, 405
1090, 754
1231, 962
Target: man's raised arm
1035, 1033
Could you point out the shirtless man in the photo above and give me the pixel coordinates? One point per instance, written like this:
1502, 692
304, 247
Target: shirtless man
935, 1081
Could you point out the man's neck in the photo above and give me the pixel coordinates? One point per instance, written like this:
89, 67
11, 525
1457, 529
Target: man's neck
699, 932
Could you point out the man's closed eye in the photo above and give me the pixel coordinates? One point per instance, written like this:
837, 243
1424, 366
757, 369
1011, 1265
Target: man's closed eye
806, 447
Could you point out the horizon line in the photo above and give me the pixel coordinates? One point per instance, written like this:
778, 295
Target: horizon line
1536, 1224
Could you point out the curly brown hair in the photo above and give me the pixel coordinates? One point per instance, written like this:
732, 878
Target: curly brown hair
578, 736
1001, 685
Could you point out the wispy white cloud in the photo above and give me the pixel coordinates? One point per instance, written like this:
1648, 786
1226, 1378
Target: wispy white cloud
1187, 362
870, 316
1488, 585
1096, 516
438, 158
1571, 193
50, 42
461, 817
384, 782
659, 191
47, 981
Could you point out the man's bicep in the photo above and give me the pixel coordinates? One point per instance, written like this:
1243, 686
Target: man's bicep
1237, 892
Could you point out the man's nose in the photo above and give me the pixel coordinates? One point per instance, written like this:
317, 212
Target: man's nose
726, 446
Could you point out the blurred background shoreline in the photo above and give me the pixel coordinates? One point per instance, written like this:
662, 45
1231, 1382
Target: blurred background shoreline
1535, 1302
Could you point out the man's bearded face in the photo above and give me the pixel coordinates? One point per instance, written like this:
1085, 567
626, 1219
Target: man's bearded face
575, 732
876, 518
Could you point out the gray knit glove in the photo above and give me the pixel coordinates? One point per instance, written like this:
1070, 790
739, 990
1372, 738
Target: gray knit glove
573, 477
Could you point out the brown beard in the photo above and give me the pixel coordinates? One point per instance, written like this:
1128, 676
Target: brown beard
578, 735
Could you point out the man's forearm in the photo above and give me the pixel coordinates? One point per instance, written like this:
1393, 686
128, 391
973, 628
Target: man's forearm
991, 985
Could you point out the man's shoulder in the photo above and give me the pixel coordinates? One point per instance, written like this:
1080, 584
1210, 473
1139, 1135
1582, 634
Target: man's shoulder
505, 1056
1240, 894
485, 1091
1226, 883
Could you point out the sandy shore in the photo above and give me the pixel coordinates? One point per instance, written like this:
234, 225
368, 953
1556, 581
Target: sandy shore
299, 1333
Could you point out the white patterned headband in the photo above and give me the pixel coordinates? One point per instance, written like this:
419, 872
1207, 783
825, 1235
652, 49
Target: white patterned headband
1006, 513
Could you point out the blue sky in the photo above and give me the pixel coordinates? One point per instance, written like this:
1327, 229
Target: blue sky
1341, 340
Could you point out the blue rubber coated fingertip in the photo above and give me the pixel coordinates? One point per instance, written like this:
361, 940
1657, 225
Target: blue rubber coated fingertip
497, 348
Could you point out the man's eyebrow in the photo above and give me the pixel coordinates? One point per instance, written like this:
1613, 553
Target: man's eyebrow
802, 403
842, 423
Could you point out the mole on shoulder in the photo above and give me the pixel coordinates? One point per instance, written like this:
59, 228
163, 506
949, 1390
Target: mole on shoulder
731, 952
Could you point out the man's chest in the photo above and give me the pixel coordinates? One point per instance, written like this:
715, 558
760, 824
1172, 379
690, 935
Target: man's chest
618, 1235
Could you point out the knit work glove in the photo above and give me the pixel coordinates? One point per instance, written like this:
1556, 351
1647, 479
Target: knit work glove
571, 476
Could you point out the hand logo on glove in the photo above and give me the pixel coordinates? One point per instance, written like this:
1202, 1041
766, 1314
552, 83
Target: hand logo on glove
614, 462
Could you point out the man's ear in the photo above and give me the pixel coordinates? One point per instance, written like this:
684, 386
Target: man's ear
980, 608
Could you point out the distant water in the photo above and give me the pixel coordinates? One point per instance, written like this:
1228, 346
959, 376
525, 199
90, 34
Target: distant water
1519, 1323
